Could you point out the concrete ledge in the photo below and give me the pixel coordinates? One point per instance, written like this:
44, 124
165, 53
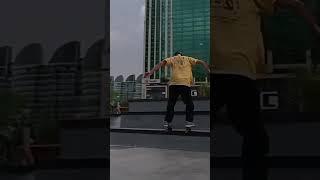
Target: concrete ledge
166, 99
179, 132
164, 113
186, 143
155, 121
295, 139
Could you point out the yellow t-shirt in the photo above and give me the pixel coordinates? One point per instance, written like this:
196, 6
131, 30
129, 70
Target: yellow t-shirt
181, 70
236, 41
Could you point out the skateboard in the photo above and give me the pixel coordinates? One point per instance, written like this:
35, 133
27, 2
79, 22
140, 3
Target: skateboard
168, 129
187, 131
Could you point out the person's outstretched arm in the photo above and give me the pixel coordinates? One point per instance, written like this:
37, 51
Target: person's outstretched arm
155, 69
299, 7
194, 61
204, 64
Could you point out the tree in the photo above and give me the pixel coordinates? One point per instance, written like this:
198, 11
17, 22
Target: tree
114, 97
164, 79
204, 90
11, 104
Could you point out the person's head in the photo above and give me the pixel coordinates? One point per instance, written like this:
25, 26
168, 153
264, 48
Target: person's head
178, 53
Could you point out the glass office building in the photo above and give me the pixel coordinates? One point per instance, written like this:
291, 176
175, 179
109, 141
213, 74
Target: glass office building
172, 25
288, 35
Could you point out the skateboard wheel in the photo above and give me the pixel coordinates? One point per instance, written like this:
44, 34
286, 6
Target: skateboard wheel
169, 129
188, 130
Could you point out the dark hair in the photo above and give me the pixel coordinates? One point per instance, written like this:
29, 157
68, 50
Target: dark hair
178, 52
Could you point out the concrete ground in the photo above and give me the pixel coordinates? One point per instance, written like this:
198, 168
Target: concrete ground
138, 163
158, 164
154, 157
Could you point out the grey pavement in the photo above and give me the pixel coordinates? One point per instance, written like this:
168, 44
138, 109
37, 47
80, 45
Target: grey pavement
158, 164
153, 157
138, 163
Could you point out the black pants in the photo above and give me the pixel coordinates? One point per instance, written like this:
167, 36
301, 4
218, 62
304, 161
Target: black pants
241, 97
174, 92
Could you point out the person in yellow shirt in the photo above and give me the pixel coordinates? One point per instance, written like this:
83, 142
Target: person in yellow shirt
237, 60
180, 84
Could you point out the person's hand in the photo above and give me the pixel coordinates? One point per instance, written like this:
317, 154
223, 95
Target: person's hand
147, 75
207, 66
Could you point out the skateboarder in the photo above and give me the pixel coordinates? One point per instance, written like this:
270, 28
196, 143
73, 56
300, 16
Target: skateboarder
237, 59
180, 84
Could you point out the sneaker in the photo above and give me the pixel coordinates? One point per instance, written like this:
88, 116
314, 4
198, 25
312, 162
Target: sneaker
190, 124
166, 124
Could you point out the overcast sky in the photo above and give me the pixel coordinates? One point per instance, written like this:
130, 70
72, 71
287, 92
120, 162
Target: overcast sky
55, 22
51, 22
127, 28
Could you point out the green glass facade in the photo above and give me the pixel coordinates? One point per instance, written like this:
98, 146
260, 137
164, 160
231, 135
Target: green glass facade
191, 31
173, 25
288, 35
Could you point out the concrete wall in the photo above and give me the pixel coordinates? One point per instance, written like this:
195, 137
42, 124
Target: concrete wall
84, 143
156, 121
291, 132
285, 140
187, 143
161, 106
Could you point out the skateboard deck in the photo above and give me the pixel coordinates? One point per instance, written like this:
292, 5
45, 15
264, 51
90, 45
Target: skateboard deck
187, 131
